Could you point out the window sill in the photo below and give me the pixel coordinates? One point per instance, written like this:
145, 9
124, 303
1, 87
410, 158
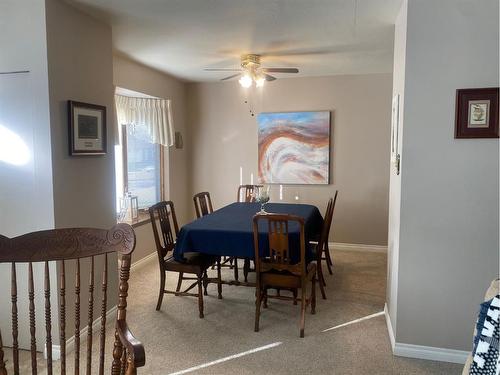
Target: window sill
142, 219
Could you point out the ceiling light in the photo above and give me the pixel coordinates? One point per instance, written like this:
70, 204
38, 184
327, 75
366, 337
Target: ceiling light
245, 81
259, 81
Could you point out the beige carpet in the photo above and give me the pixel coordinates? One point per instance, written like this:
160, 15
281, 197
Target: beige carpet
176, 339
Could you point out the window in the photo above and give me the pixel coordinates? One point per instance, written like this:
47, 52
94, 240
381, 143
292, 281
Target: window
145, 130
139, 167
139, 173
143, 165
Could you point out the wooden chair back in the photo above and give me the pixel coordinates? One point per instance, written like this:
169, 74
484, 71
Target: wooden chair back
203, 204
62, 246
249, 192
327, 223
278, 256
164, 222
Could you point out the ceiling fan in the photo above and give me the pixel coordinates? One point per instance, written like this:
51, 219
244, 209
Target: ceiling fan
251, 71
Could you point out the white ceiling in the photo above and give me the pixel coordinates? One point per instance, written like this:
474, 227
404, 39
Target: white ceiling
320, 37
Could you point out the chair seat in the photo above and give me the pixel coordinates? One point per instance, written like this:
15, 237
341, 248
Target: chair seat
285, 279
193, 263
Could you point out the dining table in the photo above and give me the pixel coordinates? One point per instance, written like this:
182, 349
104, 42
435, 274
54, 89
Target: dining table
228, 231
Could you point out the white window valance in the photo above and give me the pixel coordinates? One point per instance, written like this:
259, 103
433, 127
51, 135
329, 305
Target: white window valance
155, 114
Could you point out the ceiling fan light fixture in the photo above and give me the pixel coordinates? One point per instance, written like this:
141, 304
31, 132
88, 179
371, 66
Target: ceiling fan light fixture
259, 81
245, 80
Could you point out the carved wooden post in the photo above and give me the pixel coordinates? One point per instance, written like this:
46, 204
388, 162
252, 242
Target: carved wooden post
103, 315
77, 318
31, 298
122, 311
90, 317
131, 370
62, 318
48, 323
123, 287
123, 362
3, 371
15, 332
117, 355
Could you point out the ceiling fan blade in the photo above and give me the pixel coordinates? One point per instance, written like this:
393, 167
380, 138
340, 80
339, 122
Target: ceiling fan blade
269, 77
280, 70
231, 76
221, 70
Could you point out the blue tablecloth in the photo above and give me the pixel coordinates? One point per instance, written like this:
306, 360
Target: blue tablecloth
228, 231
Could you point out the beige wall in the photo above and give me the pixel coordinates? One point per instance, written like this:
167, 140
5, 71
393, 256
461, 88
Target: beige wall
133, 76
223, 138
449, 222
395, 180
79, 52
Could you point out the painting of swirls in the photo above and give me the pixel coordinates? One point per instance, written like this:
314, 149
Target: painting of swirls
294, 147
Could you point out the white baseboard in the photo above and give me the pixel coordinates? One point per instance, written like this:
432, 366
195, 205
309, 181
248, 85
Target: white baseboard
423, 352
357, 247
143, 261
430, 353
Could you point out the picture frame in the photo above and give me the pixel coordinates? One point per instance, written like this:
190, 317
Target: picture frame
305, 137
87, 128
477, 113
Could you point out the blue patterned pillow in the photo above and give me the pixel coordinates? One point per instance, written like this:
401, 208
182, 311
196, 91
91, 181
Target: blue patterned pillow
485, 353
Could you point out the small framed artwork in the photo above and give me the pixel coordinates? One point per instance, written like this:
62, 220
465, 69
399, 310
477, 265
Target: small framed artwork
477, 113
87, 128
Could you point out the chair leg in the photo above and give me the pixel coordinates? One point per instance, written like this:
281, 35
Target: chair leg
246, 268
205, 283
200, 295
294, 296
235, 268
303, 311
321, 280
179, 282
313, 295
329, 262
219, 283
265, 298
162, 290
257, 309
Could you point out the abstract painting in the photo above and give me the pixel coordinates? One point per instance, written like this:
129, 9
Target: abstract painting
294, 147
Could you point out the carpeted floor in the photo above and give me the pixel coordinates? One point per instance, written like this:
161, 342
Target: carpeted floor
177, 341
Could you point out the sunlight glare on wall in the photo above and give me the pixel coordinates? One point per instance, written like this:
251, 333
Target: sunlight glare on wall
13, 150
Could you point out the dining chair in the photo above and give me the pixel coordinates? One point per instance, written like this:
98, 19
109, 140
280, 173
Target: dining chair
165, 231
249, 195
249, 192
321, 246
326, 250
275, 267
71, 251
203, 206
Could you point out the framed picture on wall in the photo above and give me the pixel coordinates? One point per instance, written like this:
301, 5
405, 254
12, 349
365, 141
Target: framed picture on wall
87, 128
477, 113
294, 148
